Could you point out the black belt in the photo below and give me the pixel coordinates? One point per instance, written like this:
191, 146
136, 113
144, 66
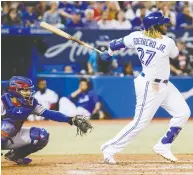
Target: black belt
156, 80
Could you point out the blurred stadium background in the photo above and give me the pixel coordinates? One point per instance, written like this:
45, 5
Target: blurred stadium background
31, 51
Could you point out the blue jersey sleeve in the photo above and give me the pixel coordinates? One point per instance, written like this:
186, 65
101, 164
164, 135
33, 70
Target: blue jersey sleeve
55, 115
95, 98
73, 99
117, 44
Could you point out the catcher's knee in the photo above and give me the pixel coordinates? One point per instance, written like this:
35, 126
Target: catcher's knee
8, 130
39, 137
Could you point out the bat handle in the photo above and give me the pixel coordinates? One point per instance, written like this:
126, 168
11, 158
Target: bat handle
85, 44
97, 50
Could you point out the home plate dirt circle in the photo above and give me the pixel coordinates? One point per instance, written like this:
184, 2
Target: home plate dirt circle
137, 164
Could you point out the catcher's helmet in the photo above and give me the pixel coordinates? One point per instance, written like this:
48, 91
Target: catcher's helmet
19, 83
153, 19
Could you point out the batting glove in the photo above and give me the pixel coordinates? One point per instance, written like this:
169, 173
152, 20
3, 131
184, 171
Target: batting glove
105, 56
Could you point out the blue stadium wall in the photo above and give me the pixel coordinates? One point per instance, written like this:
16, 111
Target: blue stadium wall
117, 94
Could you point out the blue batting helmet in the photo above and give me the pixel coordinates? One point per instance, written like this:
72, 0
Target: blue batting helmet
154, 18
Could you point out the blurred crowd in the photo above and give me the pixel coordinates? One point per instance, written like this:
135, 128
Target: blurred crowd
183, 64
103, 15
94, 14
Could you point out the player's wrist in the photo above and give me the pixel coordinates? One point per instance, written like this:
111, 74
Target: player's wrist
70, 121
79, 91
110, 52
105, 56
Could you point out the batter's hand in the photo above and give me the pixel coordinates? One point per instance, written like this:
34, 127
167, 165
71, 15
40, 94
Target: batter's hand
105, 56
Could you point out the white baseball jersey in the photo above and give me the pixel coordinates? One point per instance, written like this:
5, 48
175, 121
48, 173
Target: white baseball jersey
46, 99
154, 54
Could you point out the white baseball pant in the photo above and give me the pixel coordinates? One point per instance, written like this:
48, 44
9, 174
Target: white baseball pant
150, 96
68, 108
21, 139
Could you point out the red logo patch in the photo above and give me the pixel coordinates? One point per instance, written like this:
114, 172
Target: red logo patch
4, 134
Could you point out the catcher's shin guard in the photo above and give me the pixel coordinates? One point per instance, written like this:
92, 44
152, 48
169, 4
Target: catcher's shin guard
39, 139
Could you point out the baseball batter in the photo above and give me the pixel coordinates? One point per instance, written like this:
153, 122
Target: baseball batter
16, 106
152, 87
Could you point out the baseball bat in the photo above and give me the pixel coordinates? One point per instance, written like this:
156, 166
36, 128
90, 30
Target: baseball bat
61, 33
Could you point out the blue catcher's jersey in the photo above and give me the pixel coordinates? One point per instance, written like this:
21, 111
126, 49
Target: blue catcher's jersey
16, 112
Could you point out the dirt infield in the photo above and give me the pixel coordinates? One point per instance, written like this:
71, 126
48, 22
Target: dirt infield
143, 164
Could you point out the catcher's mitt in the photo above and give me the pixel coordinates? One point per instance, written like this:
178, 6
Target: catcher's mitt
82, 125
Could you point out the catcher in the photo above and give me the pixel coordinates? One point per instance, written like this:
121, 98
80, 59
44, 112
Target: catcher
16, 106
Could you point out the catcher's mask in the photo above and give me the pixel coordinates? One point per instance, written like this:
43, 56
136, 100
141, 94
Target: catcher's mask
22, 88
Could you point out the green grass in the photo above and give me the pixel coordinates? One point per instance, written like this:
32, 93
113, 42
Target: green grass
63, 140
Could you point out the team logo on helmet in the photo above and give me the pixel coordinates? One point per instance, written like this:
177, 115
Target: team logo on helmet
153, 19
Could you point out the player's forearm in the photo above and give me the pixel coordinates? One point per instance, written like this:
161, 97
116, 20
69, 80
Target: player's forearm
90, 69
75, 93
175, 70
114, 46
55, 115
97, 107
65, 14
